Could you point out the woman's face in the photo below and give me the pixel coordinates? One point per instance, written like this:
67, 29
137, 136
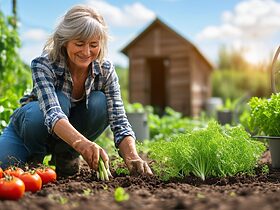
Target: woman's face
82, 53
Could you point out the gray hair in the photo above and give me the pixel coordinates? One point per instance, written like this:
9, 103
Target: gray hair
81, 22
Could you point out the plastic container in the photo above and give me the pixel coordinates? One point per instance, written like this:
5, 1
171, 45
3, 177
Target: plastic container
139, 125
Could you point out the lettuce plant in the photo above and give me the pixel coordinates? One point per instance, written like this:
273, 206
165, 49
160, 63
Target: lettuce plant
265, 115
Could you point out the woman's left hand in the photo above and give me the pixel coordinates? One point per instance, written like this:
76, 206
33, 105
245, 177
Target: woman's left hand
133, 161
138, 166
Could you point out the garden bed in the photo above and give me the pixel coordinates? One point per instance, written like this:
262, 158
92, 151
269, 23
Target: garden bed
83, 191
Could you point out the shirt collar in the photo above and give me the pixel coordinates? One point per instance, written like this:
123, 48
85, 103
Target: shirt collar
96, 69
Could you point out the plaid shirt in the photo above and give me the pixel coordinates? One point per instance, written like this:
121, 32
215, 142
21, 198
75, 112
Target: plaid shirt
50, 77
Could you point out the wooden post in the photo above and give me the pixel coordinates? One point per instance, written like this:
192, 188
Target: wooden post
14, 13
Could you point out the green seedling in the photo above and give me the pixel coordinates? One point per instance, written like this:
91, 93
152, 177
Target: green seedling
120, 194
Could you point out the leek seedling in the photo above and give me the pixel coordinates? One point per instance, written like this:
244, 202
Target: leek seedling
103, 172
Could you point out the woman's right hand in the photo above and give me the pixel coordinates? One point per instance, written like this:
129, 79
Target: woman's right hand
91, 153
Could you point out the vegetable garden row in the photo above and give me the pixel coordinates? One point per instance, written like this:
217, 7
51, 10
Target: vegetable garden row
197, 164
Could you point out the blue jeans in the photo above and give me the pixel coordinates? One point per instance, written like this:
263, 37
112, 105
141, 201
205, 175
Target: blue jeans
26, 137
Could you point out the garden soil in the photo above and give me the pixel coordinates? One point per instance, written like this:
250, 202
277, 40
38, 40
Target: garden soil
84, 192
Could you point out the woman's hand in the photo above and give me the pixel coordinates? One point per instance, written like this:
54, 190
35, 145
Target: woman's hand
138, 166
91, 153
135, 164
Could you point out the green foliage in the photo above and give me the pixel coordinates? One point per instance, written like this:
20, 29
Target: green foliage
135, 107
265, 115
171, 123
234, 84
265, 169
123, 80
232, 59
122, 171
14, 74
105, 140
229, 105
212, 151
236, 77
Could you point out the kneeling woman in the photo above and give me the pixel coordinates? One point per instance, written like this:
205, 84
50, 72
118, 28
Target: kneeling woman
75, 96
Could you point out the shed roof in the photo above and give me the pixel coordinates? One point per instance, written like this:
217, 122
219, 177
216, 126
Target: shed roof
159, 22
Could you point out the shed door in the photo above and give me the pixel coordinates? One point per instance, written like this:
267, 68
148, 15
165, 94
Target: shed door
157, 83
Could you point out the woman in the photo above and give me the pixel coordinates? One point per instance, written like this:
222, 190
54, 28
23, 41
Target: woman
75, 96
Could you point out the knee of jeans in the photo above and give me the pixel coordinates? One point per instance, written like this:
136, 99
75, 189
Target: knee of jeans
28, 119
64, 102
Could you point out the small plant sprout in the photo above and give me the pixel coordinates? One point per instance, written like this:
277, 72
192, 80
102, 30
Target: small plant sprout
123, 171
265, 169
87, 192
120, 195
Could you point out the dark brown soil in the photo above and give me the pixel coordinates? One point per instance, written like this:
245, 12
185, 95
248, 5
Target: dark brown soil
84, 192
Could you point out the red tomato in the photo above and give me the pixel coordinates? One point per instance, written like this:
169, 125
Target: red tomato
47, 174
32, 181
11, 188
14, 171
1, 172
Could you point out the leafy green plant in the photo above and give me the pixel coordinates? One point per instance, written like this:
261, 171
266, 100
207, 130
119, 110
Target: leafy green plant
120, 194
211, 151
265, 115
119, 166
124, 171
265, 169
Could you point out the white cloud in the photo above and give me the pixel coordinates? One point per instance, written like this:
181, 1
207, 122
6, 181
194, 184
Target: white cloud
252, 18
127, 16
251, 24
33, 41
30, 51
35, 35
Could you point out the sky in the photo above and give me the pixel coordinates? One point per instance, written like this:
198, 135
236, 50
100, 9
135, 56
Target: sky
249, 26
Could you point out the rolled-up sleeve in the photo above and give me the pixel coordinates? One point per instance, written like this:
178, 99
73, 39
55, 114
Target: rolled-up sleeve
44, 79
117, 117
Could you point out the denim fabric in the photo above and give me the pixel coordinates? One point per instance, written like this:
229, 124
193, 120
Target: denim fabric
27, 137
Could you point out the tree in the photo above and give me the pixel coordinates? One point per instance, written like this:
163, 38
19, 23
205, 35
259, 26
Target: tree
232, 60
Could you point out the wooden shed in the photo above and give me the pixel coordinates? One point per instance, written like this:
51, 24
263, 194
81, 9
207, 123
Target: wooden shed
165, 69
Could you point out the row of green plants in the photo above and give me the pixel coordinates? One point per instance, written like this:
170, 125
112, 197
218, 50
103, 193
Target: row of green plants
214, 151
181, 146
15, 77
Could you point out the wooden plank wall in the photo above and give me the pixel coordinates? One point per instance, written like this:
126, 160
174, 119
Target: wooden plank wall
187, 83
201, 86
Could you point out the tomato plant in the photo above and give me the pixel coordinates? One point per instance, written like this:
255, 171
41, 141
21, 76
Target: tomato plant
14, 171
47, 174
11, 188
32, 181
